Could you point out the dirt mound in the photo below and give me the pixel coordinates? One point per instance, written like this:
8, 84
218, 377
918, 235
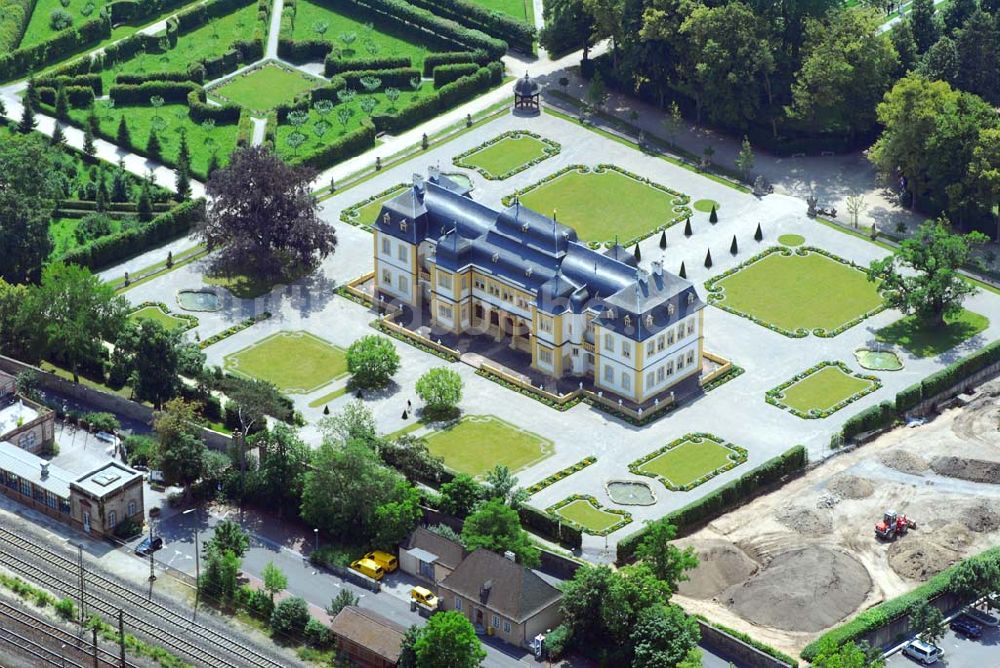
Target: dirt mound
802, 590
851, 487
810, 521
919, 559
903, 460
953, 536
973, 470
720, 565
981, 517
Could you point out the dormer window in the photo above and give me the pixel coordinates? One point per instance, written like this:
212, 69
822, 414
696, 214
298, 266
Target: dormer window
670, 309
386, 220
524, 228
402, 224
690, 298
495, 258
649, 320
529, 271
610, 314
628, 321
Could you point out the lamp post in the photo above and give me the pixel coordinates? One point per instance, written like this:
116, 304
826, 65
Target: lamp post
316, 535
197, 560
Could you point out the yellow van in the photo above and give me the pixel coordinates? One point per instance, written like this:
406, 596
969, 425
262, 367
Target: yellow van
387, 561
424, 597
370, 568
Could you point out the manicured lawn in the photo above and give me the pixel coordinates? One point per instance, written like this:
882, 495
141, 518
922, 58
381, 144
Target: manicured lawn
296, 362
202, 140
791, 240
823, 389
39, 30
705, 205
366, 215
157, 314
327, 398
688, 461
479, 442
924, 340
584, 513
600, 206
266, 87
520, 9
505, 155
800, 291
378, 42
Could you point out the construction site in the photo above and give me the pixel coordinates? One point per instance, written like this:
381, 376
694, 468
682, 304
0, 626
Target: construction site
795, 562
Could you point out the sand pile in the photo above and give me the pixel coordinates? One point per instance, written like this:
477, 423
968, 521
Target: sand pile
973, 470
803, 520
720, 565
903, 460
802, 590
851, 487
981, 517
953, 536
919, 559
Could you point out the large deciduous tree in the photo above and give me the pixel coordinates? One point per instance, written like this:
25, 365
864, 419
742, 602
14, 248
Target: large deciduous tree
28, 195
441, 390
263, 215
667, 561
180, 451
664, 636
448, 639
496, 527
929, 285
372, 361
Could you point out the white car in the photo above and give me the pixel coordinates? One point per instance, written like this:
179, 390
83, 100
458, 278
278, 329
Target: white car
923, 652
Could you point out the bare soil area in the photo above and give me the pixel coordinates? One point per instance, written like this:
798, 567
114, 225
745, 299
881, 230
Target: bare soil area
793, 563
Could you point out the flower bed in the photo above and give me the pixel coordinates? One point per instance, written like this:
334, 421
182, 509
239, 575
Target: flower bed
775, 396
626, 517
549, 149
229, 331
560, 474
736, 457
734, 372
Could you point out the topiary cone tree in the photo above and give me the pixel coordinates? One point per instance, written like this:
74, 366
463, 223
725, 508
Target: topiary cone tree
759, 234
733, 247
683, 272
663, 240
713, 217
687, 228
708, 258
637, 254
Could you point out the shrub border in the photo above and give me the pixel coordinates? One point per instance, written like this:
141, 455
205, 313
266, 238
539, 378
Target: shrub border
626, 516
680, 202
775, 395
560, 475
716, 293
190, 321
695, 438
550, 148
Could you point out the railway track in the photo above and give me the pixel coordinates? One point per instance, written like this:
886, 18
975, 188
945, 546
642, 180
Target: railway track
144, 617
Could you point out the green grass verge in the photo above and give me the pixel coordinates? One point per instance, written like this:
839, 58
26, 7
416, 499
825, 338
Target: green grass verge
477, 443
791, 240
522, 10
823, 389
327, 398
157, 314
705, 205
158, 269
295, 362
688, 461
264, 88
928, 340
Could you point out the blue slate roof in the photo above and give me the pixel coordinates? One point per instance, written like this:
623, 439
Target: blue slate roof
538, 254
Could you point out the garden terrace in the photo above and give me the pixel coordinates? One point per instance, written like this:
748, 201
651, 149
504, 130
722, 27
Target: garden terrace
689, 461
797, 292
822, 390
295, 362
507, 154
605, 203
477, 443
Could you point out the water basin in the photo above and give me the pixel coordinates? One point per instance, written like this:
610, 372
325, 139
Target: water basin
199, 300
461, 179
878, 360
630, 492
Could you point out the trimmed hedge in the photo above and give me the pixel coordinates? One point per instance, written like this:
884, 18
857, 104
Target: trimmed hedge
138, 79
479, 57
963, 368
81, 97
722, 500
908, 398
442, 27
889, 611
92, 81
872, 418
518, 34
347, 146
64, 43
200, 110
550, 527
172, 92
776, 396
16, 14
398, 78
445, 74
332, 65
122, 245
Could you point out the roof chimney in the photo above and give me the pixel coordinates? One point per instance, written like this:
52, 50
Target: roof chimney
484, 591
657, 266
433, 172
45, 470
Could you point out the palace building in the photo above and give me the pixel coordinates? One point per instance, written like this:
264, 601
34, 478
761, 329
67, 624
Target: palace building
521, 276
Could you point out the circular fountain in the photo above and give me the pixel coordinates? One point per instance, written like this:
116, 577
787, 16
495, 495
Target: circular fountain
630, 492
199, 300
878, 360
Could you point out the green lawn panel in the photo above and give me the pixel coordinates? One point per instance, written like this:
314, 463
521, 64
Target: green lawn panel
476, 444
600, 206
795, 291
507, 154
586, 515
156, 314
688, 461
928, 340
823, 389
296, 362
265, 88
522, 10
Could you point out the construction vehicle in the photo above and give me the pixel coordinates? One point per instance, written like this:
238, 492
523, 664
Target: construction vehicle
893, 525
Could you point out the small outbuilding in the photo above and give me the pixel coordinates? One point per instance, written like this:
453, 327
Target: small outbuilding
366, 638
527, 95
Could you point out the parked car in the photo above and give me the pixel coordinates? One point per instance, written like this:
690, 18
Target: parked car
387, 561
964, 626
370, 568
107, 437
923, 651
980, 617
424, 597
148, 546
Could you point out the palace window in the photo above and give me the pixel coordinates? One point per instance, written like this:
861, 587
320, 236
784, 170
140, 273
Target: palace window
680, 362
670, 309
51, 500
670, 337
386, 246
691, 326
680, 331
628, 321
609, 343
690, 298
506, 627
402, 253
649, 320
626, 381
402, 224
670, 368
386, 277
545, 324
649, 379
609, 374
480, 285
661, 373
690, 359
444, 280
627, 350
444, 311
404, 284
458, 603
545, 356
130, 511
660, 340
651, 348
496, 620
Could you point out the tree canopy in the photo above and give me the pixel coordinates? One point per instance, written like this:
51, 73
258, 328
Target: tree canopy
28, 196
496, 527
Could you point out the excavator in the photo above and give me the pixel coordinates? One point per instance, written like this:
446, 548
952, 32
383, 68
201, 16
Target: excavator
893, 525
